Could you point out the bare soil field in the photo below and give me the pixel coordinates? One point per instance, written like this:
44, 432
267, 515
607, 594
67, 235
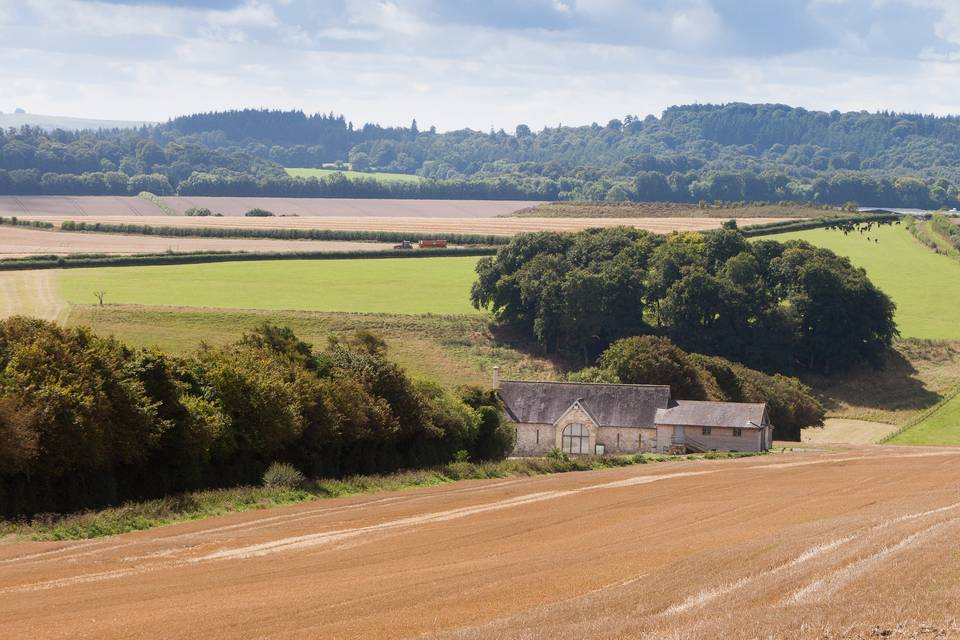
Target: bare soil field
418, 225
18, 242
84, 206
853, 544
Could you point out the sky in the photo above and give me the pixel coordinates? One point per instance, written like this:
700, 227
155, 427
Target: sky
477, 64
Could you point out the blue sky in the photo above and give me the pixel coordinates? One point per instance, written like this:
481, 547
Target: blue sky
459, 63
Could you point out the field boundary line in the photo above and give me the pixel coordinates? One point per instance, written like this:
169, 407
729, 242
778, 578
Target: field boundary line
922, 416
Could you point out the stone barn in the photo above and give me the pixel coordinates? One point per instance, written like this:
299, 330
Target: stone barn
597, 418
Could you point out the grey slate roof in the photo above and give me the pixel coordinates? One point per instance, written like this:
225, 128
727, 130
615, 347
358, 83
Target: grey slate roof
611, 405
695, 413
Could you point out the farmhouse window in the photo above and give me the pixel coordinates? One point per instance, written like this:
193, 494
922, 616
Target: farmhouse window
706, 431
576, 439
538, 436
737, 433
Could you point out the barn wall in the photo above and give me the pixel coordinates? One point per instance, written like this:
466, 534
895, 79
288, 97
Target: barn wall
527, 439
722, 438
629, 441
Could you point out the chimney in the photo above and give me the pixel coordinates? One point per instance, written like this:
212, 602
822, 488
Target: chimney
496, 378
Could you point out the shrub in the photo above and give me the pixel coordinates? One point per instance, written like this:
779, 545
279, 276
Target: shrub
200, 212
259, 213
461, 456
281, 475
558, 455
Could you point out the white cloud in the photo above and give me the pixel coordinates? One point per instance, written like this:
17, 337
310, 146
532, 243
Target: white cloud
390, 61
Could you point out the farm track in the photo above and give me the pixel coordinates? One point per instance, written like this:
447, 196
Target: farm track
812, 545
418, 225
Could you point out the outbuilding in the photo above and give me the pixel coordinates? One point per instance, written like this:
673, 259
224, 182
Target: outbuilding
596, 418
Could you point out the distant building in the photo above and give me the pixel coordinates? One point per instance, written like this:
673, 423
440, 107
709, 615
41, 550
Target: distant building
588, 418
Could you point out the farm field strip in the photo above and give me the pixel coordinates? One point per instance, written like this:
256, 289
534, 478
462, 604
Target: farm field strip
307, 172
84, 206
671, 551
388, 285
18, 242
925, 286
420, 224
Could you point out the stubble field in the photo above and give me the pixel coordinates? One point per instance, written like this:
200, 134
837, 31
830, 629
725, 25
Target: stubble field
415, 225
852, 544
17, 242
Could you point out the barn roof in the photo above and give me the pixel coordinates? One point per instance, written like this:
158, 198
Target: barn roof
695, 413
611, 405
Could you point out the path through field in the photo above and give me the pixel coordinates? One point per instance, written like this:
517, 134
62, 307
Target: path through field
32, 293
802, 545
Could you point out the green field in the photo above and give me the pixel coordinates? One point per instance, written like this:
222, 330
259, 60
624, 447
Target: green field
390, 285
925, 286
353, 175
940, 427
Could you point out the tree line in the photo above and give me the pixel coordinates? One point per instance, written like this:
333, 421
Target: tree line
697, 152
87, 421
770, 305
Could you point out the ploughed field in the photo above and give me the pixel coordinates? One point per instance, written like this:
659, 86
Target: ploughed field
416, 225
18, 242
855, 543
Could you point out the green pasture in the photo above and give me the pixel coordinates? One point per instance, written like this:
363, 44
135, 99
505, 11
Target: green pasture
925, 286
353, 175
940, 427
389, 285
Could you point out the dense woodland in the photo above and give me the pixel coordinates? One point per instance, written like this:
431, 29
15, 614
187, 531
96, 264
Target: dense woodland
87, 421
733, 152
770, 305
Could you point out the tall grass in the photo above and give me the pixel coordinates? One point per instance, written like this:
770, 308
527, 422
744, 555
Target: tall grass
136, 516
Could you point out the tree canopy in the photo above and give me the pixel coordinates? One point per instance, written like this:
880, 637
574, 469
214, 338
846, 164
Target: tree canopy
692, 153
776, 306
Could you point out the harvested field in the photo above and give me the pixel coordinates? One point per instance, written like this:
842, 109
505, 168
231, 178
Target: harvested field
421, 225
667, 210
72, 207
847, 544
17, 242
846, 431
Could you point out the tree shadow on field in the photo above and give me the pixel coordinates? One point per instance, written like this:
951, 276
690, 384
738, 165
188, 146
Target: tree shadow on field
895, 387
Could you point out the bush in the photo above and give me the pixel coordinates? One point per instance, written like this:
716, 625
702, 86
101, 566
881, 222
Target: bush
557, 454
259, 213
200, 212
281, 475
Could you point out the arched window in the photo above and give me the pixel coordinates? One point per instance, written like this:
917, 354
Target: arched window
576, 439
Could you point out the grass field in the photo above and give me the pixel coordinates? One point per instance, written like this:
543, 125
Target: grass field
453, 349
426, 285
940, 427
298, 172
925, 286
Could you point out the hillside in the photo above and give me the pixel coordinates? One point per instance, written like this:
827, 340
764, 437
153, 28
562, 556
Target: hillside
67, 123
